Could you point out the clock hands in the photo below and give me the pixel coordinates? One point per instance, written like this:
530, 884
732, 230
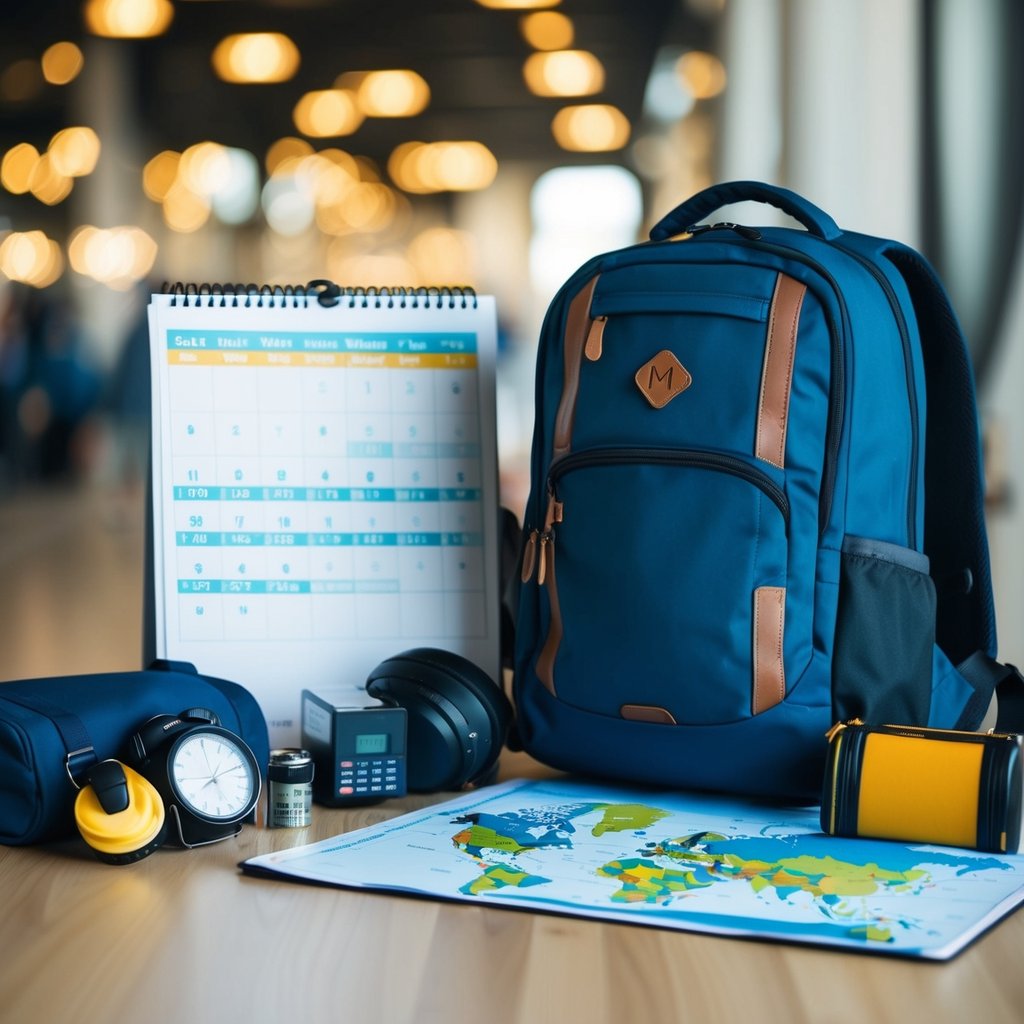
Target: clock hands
222, 766
214, 777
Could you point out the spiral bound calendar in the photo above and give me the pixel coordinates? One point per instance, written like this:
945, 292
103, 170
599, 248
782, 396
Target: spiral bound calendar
324, 483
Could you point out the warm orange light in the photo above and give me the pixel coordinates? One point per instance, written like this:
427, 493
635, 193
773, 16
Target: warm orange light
205, 168
564, 73
547, 30
159, 174
394, 93
61, 63
327, 113
256, 57
128, 19
74, 151
16, 169
402, 166
703, 74
48, 184
31, 257
284, 151
345, 162
367, 206
442, 255
117, 257
329, 178
591, 128
183, 210
442, 166
368, 270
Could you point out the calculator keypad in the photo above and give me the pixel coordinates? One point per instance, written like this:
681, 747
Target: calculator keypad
374, 777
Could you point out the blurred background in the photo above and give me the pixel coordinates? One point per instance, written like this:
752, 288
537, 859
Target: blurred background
490, 143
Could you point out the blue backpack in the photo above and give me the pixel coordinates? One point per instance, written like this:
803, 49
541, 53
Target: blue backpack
756, 507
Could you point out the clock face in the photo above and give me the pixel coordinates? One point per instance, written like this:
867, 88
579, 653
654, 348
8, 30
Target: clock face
213, 775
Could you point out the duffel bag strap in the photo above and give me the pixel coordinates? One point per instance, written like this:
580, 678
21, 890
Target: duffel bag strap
80, 756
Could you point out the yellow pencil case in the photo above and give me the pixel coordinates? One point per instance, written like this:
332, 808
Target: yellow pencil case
923, 785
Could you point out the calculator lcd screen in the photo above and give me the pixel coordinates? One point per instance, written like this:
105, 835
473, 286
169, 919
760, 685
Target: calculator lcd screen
372, 743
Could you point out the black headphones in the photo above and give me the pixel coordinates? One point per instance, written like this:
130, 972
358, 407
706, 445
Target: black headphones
458, 717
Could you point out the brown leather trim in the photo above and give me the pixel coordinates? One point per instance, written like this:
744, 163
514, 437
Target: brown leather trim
647, 713
546, 659
777, 370
769, 671
529, 558
577, 327
595, 338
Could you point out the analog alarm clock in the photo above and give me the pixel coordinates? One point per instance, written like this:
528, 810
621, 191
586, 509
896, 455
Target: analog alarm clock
206, 775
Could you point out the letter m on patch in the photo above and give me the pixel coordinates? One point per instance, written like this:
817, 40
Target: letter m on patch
662, 378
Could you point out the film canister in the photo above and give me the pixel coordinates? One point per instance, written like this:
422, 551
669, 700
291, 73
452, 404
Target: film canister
289, 788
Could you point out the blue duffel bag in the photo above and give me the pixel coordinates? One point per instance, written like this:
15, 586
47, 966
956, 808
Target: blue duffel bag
53, 730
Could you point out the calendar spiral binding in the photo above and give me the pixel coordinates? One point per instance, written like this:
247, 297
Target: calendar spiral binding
325, 293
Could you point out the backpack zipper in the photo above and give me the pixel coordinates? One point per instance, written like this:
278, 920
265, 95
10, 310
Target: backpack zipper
698, 459
537, 550
743, 230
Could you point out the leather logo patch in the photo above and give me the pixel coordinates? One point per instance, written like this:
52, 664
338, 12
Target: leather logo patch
662, 378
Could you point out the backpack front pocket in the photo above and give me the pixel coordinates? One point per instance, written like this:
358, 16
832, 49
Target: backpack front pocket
666, 580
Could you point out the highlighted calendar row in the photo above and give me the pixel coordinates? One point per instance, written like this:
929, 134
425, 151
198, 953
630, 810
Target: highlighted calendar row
213, 538
441, 361
289, 586
354, 494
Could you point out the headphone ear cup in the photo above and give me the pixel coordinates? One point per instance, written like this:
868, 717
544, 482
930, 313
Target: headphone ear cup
120, 814
151, 734
458, 717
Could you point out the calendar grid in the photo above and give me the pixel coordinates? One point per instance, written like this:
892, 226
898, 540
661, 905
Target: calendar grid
324, 485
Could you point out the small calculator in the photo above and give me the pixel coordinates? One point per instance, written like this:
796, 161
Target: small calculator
358, 746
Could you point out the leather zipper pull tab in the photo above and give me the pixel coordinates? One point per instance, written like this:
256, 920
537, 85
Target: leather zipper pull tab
529, 557
547, 537
595, 338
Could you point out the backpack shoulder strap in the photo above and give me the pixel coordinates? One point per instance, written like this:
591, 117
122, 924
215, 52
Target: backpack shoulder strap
955, 538
988, 676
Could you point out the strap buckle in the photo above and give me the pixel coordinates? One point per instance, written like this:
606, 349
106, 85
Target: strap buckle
77, 762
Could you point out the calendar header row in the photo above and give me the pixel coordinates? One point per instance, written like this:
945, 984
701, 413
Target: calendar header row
384, 343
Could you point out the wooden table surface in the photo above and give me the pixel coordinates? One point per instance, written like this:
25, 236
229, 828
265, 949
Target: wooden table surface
183, 936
